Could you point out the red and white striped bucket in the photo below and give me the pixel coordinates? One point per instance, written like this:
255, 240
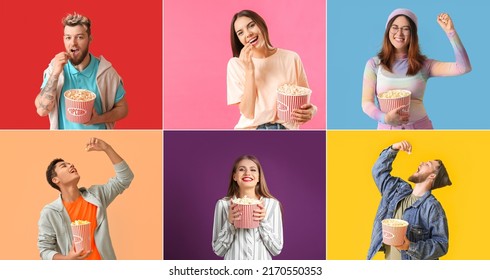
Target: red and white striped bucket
246, 220
287, 103
79, 111
388, 104
81, 237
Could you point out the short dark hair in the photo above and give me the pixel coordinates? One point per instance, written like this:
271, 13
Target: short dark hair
442, 178
50, 173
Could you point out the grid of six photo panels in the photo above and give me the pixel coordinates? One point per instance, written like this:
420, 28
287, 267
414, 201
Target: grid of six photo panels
184, 90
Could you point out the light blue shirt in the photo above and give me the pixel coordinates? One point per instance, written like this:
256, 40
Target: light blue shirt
85, 79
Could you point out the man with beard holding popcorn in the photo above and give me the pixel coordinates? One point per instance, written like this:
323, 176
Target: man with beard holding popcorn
77, 68
427, 234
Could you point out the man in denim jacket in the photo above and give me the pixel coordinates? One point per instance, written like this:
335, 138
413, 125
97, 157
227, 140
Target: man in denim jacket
427, 234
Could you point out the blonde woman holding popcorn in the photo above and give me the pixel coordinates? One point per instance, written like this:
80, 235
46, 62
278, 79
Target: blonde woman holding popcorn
256, 70
401, 65
247, 183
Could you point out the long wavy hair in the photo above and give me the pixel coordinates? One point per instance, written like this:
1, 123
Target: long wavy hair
236, 45
415, 58
261, 188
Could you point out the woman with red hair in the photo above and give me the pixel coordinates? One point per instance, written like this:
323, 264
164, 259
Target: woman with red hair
400, 65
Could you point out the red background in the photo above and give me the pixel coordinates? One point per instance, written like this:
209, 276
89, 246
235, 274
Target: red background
127, 33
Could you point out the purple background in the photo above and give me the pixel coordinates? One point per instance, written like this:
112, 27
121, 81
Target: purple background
197, 169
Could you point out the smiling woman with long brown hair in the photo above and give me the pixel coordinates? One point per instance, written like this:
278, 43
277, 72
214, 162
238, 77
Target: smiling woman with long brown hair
400, 65
262, 241
255, 72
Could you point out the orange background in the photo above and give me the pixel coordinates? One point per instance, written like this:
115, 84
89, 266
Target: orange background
135, 217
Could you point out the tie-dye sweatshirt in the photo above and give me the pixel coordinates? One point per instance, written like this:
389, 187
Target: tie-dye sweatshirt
377, 79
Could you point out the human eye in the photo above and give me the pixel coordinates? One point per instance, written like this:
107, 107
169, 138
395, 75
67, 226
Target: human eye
406, 29
67, 37
394, 28
239, 33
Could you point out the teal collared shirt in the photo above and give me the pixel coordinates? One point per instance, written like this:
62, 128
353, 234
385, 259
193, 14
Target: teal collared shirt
86, 79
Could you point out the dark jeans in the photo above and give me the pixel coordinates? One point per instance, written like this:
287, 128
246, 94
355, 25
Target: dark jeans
271, 126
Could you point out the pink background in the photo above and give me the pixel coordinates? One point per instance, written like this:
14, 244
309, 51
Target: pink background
197, 49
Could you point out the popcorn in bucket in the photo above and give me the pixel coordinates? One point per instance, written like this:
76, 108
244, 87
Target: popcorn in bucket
81, 235
289, 98
394, 231
79, 104
246, 206
393, 99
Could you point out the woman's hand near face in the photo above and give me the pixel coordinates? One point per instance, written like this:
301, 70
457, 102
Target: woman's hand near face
304, 113
246, 58
396, 116
445, 22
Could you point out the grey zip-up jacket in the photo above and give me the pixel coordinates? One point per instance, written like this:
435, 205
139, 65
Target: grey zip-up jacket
55, 234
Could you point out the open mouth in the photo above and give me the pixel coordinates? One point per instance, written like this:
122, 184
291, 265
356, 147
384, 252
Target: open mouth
253, 40
247, 179
74, 51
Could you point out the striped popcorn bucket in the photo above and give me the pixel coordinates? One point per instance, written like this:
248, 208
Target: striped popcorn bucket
394, 231
246, 220
287, 103
388, 104
81, 237
79, 111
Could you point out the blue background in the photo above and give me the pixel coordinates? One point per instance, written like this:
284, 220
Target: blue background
355, 31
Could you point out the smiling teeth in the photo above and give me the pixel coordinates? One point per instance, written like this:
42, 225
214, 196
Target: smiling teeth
253, 40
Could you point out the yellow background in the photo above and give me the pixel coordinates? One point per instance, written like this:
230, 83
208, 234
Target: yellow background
135, 217
353, 198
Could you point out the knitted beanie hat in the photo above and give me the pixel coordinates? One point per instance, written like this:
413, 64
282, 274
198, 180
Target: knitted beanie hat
405, 12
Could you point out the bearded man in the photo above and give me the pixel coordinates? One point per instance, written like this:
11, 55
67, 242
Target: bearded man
77, 68
427, 234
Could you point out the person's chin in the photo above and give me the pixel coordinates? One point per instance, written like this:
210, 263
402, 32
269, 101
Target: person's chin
75, 62
248, 185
